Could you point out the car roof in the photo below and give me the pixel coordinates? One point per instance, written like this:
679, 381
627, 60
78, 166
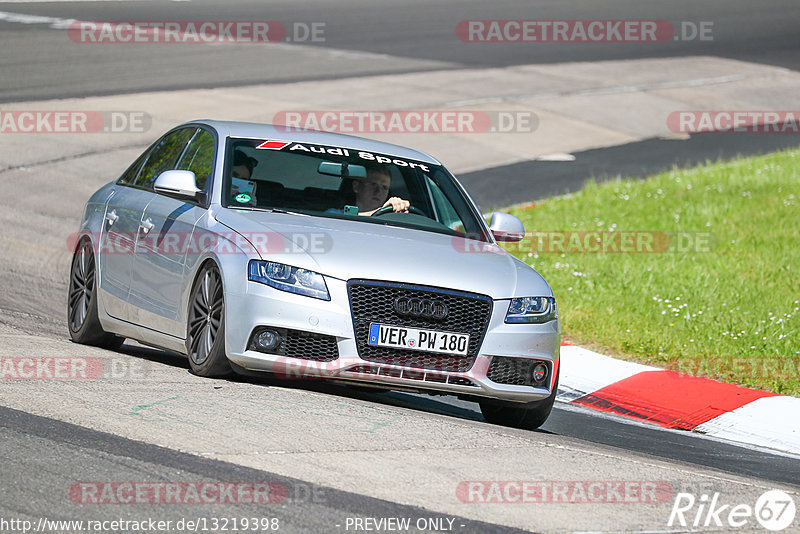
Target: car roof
268, 131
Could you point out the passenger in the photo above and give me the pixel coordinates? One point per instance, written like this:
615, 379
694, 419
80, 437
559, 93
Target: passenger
243, 165
242, 189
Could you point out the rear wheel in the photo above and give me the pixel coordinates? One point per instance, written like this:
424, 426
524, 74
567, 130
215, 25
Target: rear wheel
205, 339
84, 325
528, 416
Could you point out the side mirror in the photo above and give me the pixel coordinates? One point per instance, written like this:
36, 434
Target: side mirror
180, 184
506, 227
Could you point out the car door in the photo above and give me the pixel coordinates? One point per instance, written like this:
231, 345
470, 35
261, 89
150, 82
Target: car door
118, 239
157, 282
123, 222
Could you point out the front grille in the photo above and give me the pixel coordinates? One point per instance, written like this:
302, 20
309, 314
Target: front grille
373, 302
513, 371
300, 344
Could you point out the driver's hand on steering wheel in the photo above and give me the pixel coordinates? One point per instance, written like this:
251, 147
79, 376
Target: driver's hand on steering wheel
398, 204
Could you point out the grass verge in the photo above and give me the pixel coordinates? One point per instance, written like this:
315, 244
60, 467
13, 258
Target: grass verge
695, 270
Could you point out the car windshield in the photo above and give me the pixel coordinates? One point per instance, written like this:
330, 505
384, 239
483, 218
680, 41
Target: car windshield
336, 182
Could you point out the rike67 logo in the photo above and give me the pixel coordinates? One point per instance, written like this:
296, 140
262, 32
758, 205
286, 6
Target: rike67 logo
774, 510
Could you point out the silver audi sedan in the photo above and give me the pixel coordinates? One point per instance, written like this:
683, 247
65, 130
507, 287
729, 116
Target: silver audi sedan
256, 248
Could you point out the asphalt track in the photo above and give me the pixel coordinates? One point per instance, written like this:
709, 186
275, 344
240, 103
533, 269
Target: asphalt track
59, 450
391, 38
42, 456
406, 32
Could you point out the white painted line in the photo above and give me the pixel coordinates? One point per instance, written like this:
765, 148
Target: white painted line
64, 24
67, 1
556, 156
675, 137
21, 18
771, 422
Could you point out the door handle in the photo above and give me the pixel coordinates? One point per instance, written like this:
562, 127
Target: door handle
112, 217
146, 225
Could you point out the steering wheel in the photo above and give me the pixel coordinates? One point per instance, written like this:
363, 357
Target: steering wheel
390, 209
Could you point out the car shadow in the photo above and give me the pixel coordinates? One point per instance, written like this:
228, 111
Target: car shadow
448, 405
401, 399
154, 355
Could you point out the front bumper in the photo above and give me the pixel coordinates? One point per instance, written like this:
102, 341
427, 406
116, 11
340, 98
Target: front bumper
262, 305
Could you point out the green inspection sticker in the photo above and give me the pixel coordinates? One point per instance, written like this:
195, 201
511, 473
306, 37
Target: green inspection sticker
243, 198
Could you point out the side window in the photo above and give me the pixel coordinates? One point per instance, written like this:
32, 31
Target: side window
444, 210
163, 156
199, 157
129, 176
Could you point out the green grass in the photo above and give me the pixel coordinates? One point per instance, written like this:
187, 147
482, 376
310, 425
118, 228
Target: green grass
730, 313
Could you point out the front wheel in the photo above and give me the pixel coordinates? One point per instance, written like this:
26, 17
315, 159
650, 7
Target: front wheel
205, 334
528, 416
82, 320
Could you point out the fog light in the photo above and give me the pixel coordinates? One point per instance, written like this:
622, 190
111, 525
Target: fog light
267, 340
539, 373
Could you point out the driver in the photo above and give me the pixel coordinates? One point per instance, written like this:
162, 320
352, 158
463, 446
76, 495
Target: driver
371, 192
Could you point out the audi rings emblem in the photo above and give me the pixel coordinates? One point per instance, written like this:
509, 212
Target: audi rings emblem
417, 307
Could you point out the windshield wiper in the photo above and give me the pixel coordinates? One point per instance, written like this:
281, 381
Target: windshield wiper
268, 210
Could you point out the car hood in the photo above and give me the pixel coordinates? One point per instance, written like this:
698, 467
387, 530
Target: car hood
359, 250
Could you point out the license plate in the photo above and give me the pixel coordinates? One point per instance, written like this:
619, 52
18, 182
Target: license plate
384, 335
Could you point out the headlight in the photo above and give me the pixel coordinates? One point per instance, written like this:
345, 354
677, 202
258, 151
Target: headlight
288, 278
532, 310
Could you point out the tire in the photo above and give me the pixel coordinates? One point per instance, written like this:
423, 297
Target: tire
205, 329
529, 416
82, 320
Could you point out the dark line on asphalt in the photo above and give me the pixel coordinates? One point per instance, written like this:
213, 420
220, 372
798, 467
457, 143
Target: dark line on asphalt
81, 92
352, 503
70, 157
